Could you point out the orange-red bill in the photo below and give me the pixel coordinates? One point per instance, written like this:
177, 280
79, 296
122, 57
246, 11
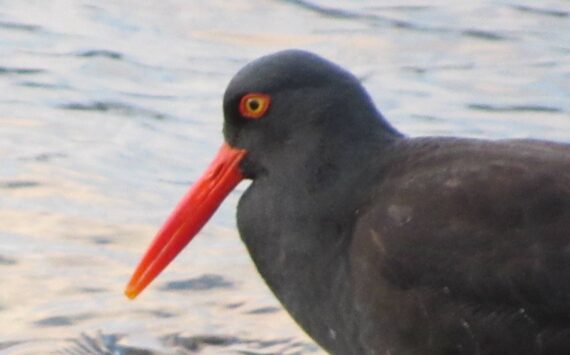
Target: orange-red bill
192, 212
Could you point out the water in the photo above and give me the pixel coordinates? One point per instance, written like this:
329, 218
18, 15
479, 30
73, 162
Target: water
109, 109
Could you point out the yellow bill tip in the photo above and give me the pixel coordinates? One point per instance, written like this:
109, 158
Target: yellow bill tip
131, 293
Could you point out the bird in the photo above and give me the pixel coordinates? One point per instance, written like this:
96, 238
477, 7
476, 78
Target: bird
380, 243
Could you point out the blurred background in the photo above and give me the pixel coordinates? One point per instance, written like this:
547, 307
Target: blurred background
110, 109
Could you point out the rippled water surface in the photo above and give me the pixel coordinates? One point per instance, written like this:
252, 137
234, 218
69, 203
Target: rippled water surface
109, 109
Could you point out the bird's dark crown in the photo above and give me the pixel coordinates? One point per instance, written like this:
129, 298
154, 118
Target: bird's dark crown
312, 100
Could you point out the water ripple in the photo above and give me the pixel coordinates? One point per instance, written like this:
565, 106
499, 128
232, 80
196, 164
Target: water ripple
44, 157
544, 12
4, 260
19, 26
264, 310
8, 344
18, 184
114, 106
196, 342
100, 343
20, 71
397, 23
104, 53
202, 283
60, 321
513, 108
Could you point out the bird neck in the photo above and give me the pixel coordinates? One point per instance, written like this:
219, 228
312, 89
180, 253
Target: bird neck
297, 222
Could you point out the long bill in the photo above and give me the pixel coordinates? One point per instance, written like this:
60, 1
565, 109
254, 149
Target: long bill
192, 212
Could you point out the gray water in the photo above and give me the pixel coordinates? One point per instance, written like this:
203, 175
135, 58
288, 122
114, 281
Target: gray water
110, 109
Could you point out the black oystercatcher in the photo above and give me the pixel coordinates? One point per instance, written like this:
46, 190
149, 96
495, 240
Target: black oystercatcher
381, 244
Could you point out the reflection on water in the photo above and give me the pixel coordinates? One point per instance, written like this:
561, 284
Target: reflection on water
109, 109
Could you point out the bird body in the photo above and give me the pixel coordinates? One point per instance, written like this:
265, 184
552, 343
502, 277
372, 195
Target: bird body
377, 243
457, 246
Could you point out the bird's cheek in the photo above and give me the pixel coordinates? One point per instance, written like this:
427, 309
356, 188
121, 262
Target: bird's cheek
251, 167
231, 135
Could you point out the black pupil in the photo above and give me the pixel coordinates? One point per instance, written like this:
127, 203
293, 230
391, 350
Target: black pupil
254, 105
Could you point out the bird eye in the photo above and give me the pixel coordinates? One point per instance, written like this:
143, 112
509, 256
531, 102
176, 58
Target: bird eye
254, 105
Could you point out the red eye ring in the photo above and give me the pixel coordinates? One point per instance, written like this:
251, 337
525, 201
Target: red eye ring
254, 105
